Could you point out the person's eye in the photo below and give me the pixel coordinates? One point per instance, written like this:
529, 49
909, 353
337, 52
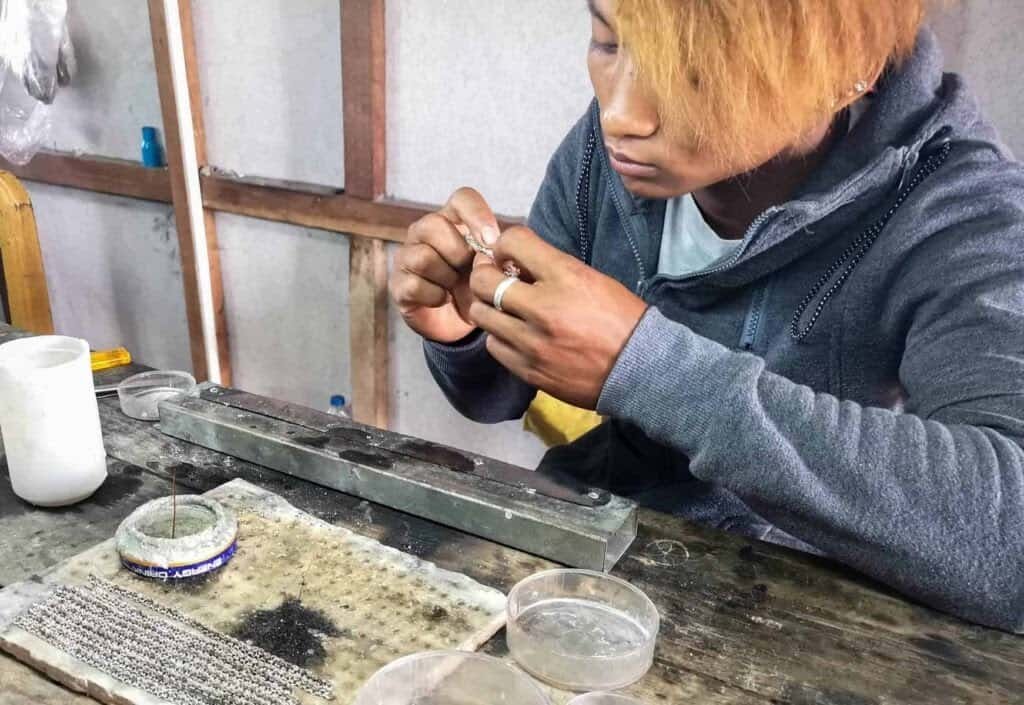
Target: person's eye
604, 47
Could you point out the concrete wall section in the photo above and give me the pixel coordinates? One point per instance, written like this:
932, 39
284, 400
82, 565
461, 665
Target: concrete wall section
286, 291
113, 273
981, 40
481, 94
270, 72
115, 92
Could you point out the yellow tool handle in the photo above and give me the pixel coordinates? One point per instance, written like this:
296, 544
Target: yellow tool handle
105, 359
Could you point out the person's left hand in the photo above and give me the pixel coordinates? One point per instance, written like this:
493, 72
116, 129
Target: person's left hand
562, 326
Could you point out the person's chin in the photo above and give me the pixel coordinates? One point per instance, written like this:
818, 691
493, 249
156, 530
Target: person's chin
649, 188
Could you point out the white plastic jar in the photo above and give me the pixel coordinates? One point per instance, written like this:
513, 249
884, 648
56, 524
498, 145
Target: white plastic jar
50, 420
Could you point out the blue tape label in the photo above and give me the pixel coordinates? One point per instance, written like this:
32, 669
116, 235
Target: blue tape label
182, 571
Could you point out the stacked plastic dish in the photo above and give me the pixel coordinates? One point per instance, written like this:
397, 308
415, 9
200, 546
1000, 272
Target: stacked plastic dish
576, 630
141, 394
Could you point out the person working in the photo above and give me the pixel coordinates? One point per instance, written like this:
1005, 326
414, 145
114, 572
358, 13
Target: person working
783, 253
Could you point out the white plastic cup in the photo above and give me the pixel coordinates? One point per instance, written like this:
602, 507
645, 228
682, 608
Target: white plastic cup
50, 421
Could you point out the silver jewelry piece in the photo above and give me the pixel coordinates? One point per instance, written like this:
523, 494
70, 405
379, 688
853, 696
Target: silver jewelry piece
499, 292
860, 86
154, 648
510, 269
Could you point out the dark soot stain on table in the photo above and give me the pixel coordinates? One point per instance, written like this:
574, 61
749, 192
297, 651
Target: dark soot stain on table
290, 631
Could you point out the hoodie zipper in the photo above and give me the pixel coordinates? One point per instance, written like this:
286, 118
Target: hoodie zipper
748, 239
583, 212
632, 244
583, 198
843, 266
753, 321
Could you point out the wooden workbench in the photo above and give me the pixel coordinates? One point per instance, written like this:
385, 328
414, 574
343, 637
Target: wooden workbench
742, 622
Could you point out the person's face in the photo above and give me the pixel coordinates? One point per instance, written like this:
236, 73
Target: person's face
650, 162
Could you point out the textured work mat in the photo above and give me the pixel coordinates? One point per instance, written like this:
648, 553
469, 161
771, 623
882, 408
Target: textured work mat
322, 597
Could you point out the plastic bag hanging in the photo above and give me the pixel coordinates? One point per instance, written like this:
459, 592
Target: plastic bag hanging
36, 58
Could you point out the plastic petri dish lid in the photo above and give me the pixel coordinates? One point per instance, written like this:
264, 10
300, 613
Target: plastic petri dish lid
141, 394
444, 677
604, 699
581, 630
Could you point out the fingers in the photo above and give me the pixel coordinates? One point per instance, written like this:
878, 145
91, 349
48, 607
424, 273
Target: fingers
436, 231
467, 207
425, 262
412, 291
501, 324
526, 249
433, 261
484, 281
511, 359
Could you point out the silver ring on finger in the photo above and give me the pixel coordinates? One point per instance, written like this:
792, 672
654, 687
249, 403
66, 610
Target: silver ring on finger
499, 292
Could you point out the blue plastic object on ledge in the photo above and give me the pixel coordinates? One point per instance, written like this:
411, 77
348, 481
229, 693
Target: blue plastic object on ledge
152, 155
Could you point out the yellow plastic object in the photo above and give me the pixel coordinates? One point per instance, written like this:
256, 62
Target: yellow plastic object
558, 423
105, 359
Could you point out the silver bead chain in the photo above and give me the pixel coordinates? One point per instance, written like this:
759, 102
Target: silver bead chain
155, 648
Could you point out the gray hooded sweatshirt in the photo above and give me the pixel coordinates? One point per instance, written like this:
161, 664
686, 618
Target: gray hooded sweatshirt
849, 382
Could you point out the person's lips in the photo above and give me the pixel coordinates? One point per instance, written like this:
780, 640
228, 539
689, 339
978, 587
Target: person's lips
626, 166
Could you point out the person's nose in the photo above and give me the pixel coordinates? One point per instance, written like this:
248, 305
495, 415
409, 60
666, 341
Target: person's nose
628, 112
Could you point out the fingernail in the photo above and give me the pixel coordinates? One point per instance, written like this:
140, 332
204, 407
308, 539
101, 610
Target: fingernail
490, 235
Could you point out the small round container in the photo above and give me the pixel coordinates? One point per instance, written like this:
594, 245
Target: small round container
446, 677
141, 394
603, 699
581, 630
204, 538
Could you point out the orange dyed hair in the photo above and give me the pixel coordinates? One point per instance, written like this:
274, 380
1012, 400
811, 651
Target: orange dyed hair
733, 77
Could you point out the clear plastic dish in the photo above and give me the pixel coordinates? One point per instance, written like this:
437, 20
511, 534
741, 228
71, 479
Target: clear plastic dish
141, 394
581, 630
449, 678
603, 699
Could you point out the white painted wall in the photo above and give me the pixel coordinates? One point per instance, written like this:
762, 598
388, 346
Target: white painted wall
114, 93
479, 93
113, 272
270, 72
112, 264
981, 40
285, 291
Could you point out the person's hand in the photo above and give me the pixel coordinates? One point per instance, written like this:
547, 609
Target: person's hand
562, 327
430, 281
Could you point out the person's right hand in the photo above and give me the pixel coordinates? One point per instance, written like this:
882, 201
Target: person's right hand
430, 281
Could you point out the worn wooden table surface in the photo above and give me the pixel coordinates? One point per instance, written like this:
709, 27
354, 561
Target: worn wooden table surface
742, 622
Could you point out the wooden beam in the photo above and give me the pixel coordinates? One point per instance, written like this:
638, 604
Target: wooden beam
307, 205
363, 76
368, 330
118, 177
311, 207
363, 73
179, 189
